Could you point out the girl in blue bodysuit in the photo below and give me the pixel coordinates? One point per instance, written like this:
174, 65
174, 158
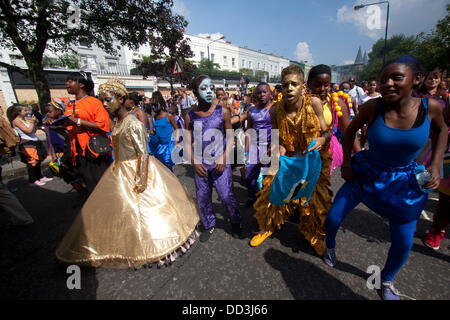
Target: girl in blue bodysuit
163, 126
383, 177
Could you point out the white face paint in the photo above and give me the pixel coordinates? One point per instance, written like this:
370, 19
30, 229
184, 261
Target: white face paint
206, 90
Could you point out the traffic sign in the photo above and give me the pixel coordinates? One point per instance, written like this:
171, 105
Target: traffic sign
177, 69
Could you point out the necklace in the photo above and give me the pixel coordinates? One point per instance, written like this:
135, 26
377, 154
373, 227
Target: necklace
132, 110
335, 97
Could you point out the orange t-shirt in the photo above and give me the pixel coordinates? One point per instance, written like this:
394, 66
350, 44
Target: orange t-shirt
90, 109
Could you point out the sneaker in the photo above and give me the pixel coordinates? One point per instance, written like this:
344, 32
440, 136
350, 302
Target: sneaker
206, 234
259, 238
433, 239
330, 257
37, 183
388, 292
45, 179
236, 230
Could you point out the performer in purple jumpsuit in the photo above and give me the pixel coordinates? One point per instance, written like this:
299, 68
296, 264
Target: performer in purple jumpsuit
257, 144
206, 124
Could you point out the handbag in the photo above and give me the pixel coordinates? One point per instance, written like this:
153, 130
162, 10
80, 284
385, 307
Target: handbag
98, 144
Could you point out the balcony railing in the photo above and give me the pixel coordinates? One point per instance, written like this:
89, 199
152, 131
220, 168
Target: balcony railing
112, 69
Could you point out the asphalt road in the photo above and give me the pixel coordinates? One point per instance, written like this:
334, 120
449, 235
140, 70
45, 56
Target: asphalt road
282, 268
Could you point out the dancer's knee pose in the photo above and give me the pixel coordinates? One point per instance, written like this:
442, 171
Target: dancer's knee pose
384, 177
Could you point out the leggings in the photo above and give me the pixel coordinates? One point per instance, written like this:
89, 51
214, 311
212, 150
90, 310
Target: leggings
402, 233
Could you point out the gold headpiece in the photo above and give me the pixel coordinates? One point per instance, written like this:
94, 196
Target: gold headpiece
115, 86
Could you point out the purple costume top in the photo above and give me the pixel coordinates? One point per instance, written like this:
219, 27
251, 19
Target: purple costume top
260, 121
212, 135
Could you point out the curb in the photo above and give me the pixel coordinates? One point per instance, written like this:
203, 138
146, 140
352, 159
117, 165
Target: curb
8, 171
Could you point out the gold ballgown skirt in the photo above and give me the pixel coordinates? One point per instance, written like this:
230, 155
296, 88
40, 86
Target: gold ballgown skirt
139, 212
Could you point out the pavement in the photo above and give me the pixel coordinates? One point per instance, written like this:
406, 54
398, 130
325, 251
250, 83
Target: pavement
284, 267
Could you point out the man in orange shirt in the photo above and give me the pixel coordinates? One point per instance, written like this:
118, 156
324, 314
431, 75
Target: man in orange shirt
87, 118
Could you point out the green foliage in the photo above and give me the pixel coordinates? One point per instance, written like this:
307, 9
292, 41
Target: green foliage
397, 45
218, 74
434, 48
259, 75
64, 61
248, 72
207, 64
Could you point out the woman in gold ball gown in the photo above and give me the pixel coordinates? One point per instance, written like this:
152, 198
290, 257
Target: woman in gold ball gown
139, 212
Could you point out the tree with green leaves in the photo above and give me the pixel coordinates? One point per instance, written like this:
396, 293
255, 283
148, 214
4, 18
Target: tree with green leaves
33, 26
65, 61
161, 63
434, 48
397, 45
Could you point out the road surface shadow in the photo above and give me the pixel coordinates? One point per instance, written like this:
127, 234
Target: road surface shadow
28, 265
306, 281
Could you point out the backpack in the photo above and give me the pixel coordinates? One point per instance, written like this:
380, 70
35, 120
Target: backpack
8, 137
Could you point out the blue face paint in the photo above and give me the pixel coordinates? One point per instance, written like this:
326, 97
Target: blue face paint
206, 90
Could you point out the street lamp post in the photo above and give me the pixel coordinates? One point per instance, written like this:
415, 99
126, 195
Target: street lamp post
360, 6
209, 61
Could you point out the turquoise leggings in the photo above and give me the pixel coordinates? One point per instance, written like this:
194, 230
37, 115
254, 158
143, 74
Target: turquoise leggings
402, 233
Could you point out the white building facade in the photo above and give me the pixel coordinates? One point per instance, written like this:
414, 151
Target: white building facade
101, 65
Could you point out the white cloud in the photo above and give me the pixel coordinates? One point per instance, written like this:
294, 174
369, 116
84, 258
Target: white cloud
213, 36
302, 53
405, 16
180, 9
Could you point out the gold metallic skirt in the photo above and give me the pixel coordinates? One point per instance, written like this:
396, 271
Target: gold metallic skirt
120, 228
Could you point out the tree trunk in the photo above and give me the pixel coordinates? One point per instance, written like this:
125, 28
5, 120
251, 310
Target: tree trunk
37, 75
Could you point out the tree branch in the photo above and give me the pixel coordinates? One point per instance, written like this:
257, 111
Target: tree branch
14, 68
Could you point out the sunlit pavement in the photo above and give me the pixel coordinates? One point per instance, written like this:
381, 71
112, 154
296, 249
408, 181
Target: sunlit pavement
283, 267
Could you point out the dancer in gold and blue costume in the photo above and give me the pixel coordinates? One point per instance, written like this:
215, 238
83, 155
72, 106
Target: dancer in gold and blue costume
299, 119
139, 212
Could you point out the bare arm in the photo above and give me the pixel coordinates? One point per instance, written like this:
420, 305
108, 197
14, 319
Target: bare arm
172, 121
229, 142
141, 116
441, 131
19, 124
247, 137
365, 115
326, 134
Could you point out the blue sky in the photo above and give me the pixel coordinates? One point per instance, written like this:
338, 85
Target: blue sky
325, 31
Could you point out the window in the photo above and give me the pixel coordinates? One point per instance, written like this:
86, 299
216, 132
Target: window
243, 63
259, 65
202, 55
233, 62
212, 57
249, 64
264, 67
225, 62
